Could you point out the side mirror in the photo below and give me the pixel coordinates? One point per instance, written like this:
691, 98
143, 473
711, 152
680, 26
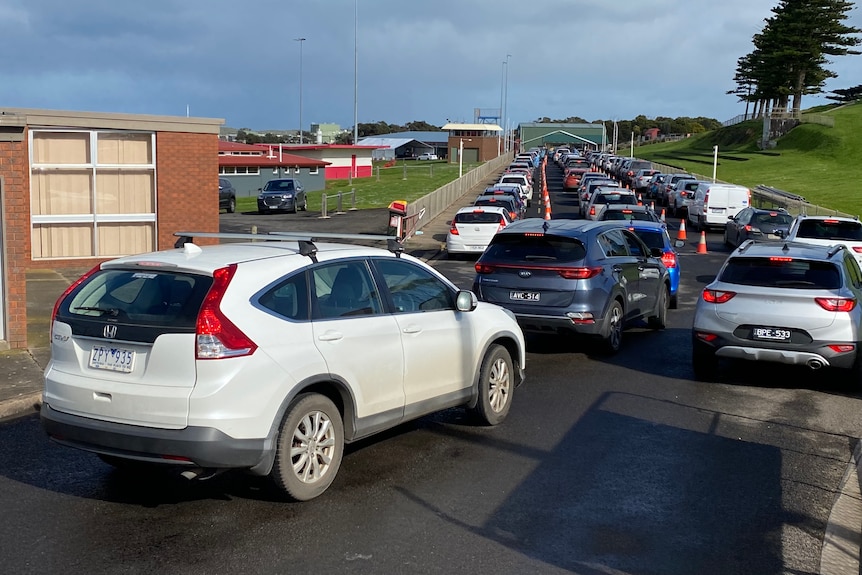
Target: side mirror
678, 243
466, 301
780, 233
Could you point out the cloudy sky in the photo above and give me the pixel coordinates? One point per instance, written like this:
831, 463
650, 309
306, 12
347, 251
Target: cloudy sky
432, 60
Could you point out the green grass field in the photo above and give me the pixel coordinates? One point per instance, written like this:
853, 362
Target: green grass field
405, 181
822, 164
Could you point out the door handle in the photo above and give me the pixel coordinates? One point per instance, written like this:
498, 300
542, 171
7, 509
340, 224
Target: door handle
331, 336
412, 329
618, 269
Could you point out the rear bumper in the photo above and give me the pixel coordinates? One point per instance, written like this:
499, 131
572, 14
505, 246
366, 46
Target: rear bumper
204, 447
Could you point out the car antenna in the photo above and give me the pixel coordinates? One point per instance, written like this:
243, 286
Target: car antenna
545, 226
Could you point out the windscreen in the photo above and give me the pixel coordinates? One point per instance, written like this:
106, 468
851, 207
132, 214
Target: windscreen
830, 229
517, 248
782, 273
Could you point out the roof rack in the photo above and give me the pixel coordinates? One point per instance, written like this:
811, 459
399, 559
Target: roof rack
304, 239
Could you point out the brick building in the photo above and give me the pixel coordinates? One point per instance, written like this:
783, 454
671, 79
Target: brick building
77, 188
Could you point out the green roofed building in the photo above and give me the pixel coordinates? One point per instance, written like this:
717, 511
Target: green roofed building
583, 136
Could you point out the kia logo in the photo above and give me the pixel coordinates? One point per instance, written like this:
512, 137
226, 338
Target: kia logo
109, 331
525, 273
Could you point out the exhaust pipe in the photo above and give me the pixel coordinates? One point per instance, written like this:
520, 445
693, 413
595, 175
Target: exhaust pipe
814, 364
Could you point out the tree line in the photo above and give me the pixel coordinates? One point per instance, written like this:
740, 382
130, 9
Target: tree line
790, 55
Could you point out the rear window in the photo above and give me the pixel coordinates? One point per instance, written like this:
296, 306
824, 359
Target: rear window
626, 215
782, 273
478, 218
615, 199
143, 297
534, 249
495, 201
773, 218
830, 230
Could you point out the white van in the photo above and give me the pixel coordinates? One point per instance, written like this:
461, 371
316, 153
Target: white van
714, 203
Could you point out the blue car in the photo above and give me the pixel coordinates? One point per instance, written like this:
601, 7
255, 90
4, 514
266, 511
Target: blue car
654, 235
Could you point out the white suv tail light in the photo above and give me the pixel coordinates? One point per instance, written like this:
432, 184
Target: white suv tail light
217, 337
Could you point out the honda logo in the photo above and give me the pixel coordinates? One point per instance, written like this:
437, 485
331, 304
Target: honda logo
109, 331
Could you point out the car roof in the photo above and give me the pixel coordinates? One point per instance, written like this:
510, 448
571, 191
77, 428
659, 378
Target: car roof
492, 209
752, 248
824, 217
206, 259
563, 227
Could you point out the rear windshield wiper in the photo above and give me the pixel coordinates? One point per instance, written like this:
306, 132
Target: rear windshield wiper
103, 310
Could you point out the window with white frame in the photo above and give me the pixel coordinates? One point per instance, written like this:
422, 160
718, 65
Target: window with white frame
92, 193
312, 171
232, 170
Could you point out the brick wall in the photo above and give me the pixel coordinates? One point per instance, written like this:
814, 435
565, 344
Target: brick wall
187, 184
14, 185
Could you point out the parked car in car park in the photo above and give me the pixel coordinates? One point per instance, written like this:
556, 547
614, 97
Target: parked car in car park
268, 356
782, 302
226, 195
574, 277
282, 194
756, 224
668, 184
641, 180
523, 181
473, 227
588, 188
828, 230
427, 156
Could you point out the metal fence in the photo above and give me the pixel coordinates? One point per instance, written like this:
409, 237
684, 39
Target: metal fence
763, 196
435, 203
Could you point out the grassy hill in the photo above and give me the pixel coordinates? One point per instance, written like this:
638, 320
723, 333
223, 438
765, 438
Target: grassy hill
822, 164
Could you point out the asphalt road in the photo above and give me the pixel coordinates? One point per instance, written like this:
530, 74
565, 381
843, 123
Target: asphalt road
604, 465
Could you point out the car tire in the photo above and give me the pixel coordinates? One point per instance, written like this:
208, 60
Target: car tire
305, 469
704, 363
659, 321
727, 241
231, 206
674, 301
496, 386
613, 332
304, 204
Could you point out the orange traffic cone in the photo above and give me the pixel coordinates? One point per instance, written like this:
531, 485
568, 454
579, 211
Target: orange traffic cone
547, 208
662, 215
640, 200
681, 233
701, 246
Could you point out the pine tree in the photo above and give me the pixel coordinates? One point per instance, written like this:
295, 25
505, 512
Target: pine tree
790, 55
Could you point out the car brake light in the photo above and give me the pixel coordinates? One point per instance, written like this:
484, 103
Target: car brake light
579, 273
668, 259
217, 337
484, 268
453, 230
830, 221
748, 227
502, 224
780, 259
69, 290
706, 200
717, 296
513, 215
836, 303
592, 210
857, 249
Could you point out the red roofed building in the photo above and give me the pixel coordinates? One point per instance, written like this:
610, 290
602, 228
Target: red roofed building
343, 160
249, 167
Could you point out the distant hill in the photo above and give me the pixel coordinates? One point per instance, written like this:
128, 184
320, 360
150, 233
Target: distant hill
822, 164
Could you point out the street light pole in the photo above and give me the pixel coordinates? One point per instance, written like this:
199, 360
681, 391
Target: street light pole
355, 74
461, 158
506, 100
300, 40
500, 133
